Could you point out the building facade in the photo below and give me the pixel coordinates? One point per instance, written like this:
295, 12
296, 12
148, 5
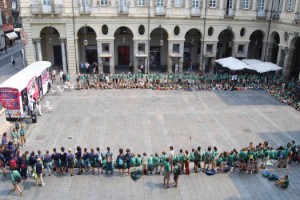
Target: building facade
9, 14
160, 33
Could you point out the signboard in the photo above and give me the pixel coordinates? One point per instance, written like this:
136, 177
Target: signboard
9, 98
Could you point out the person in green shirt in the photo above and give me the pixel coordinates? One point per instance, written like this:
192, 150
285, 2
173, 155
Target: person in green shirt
243, 158
150, 164
16, 178
251, 159
22, 135
15, 137
138, 161
230, 161
162, 159
215, 154
192, 155
283, 181
133, 160
167, 169
155, 163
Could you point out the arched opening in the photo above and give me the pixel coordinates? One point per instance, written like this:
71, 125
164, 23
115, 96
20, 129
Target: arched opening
51, 46
123, 51
192, 49
87, 48
275, 39
255, 45
158, 50
225, 44
295, 65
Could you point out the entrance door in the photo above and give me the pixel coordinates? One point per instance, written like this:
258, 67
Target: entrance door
57, 55
123, 55
155, 57
91, 56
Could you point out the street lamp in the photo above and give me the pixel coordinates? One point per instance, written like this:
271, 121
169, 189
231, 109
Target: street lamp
161, 42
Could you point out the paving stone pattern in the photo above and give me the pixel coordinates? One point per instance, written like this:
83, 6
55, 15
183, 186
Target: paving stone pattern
150, 121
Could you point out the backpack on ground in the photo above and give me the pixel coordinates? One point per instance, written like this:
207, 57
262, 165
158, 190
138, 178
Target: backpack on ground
266, 174
13, 164
210, 172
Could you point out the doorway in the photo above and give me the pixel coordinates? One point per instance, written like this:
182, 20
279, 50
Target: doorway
123, 55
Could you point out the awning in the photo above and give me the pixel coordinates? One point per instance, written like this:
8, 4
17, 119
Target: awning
17, 29
105, 55
11, 35
260, 66
175, 55
233, 64
141, 55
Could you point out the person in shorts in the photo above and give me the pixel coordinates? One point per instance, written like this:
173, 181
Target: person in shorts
167, 170
176, 171
16, 178
71, 161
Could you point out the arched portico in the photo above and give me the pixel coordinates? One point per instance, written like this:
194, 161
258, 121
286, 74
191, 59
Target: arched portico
255, 48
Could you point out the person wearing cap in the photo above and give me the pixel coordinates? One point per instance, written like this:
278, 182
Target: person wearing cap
39, 171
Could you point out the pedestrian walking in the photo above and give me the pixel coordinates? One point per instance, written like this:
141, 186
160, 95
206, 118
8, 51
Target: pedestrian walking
39, 171
177, 172
48, 162
39, 107
16, 178
71, 161
167, 169
108, 157
176, 68
12, 59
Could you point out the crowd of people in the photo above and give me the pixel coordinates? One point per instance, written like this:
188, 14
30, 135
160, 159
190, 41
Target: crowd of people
97, 161
285, 91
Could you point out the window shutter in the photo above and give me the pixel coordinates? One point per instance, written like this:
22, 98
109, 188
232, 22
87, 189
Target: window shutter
146, 2
183, 3
251, 4
201, 3
165, 3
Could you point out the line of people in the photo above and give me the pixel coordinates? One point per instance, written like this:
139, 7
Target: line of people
248, 159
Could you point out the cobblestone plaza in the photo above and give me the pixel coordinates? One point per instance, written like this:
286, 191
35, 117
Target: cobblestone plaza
150, 121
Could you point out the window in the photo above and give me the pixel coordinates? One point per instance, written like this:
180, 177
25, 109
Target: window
209, 48
141, 2
230, 4
195, 3
46, 2
141, 47
159, 3
176, 48
241, 48
104, 2
177, 3
261, 5
212, 4
85, 2
290, 5
246, 4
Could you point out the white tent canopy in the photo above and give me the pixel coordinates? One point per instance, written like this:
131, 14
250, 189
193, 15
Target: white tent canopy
262, 67
233, 64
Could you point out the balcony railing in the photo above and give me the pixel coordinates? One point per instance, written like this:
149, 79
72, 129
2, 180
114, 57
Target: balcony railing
229, 12
195, 12
46, 9
160, 10
261, 14
123, 10
85, 9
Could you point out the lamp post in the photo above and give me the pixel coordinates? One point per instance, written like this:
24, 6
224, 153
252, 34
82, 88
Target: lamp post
85, 41
161, 42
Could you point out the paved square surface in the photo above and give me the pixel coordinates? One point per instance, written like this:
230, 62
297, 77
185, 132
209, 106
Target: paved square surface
150, 121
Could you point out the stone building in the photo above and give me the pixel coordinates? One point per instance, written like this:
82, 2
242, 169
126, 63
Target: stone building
161, 33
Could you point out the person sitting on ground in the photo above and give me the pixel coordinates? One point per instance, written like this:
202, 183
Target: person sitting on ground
283, 181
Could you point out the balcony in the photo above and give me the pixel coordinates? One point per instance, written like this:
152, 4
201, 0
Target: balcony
123, 10
229, 13
40, 9
85, 9
160, 10
195, 12
261, 14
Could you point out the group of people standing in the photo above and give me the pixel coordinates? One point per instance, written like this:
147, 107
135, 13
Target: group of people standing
62, 161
